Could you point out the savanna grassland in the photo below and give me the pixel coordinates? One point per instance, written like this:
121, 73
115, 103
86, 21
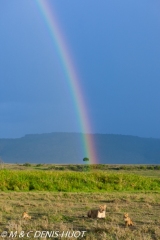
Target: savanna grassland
58, 197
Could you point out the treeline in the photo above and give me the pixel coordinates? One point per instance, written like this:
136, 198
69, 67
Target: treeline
81, 168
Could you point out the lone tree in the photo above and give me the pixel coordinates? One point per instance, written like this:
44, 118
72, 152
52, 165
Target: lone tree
86, 167
85, 159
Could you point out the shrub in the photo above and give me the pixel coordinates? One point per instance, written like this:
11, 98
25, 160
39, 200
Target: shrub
39, 165
27, 164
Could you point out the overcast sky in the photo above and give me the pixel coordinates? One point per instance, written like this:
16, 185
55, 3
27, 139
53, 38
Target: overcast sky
116, 50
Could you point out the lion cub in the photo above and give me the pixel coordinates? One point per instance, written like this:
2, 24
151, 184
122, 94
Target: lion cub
98, 213
127, 220
26, 216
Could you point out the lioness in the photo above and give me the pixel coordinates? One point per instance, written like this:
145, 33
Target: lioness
127, 220
26, 216
98, 213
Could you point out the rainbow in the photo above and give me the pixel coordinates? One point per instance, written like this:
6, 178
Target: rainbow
71, 77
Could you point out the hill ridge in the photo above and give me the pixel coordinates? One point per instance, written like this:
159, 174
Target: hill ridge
67, 148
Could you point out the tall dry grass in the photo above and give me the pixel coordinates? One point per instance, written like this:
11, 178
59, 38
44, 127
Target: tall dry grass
68, 211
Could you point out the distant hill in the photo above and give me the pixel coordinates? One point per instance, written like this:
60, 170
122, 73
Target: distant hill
67, 148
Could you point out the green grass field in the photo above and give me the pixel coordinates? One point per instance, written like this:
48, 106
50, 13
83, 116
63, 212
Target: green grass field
62, 181
58, 198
